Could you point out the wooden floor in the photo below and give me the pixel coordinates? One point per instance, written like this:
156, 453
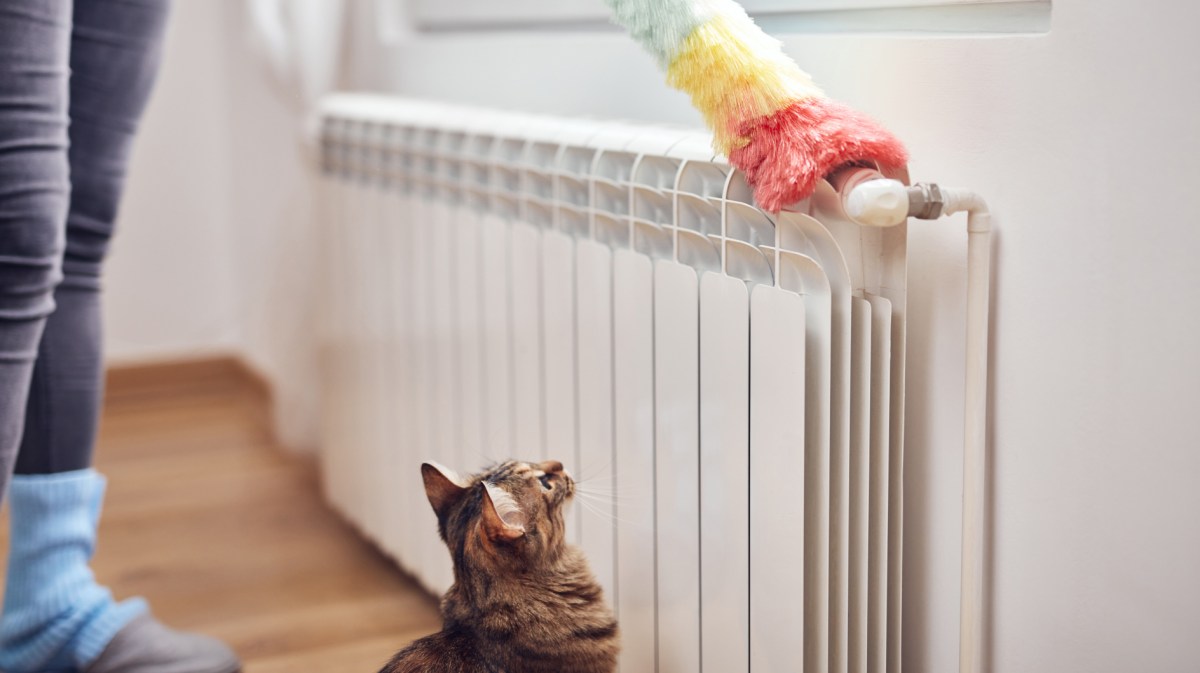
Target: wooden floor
227, 535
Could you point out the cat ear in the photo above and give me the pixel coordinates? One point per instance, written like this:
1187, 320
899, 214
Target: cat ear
442, 486
502, 518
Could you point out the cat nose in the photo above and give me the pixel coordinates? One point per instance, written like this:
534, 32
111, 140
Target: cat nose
551, 467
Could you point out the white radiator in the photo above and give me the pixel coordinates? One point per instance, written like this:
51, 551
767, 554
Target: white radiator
507, 285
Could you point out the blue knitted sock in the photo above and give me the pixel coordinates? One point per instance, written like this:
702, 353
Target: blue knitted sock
56, 618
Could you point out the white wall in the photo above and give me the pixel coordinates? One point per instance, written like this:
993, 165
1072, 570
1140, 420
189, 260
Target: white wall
215, 249
1085, 141
169, 289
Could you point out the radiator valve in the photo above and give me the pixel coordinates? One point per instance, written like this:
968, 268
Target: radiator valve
875, 201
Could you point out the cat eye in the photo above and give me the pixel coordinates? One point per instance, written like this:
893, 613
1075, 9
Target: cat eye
545, 479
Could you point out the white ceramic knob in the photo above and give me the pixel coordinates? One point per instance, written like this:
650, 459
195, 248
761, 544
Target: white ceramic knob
877, 203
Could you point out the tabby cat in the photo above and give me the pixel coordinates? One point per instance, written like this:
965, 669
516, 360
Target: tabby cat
523, 600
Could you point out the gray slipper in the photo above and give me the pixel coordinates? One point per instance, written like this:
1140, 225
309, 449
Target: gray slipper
145, 646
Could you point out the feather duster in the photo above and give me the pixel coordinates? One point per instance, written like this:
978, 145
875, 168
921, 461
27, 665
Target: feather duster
766, 114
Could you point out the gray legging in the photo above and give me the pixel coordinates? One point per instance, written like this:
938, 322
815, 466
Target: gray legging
74, 79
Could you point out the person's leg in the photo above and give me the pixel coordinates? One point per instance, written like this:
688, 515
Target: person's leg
51, 598
115, 53
56, 617
35, 38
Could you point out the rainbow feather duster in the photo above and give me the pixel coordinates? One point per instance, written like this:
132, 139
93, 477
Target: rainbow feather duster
766, 114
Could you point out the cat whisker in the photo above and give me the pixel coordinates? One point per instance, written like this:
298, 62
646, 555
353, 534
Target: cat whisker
620, 494
607, 478
601, 499
596, 487
605, 498
592, 489
598, 491
608, 515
